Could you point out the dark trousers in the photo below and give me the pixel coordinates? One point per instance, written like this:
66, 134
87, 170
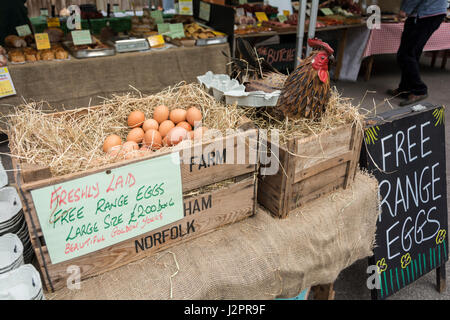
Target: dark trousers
415, 36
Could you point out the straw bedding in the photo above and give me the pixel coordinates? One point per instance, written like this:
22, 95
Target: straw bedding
73, 142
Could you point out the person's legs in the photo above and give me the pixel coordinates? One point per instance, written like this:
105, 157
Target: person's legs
425, 29
406, 54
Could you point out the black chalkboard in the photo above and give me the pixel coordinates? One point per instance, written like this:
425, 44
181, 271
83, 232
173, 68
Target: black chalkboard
280, 56
405, 150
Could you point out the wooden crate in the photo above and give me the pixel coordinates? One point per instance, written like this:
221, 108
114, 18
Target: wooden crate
310, 168
204, 209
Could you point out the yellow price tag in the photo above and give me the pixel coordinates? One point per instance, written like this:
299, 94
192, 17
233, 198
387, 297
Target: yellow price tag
42, 41
6, 85
156, 41
219, 34
261, 16
53, 22
286, 13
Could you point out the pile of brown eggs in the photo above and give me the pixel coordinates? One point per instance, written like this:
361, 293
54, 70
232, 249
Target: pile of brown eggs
165, 129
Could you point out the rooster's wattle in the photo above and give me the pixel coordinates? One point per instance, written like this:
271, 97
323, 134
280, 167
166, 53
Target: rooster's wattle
306, 91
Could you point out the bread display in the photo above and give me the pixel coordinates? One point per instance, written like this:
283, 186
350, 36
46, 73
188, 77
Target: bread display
14, 41
29, 54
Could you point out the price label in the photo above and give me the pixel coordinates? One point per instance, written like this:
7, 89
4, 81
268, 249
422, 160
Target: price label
42, 41
157, 15
282, 18
286, 13
176, 30
6, 84
261, 16
53, 22
327, 11
80, 37
163, 28
205, 11
156, 41
44, 12
242, 1
116, 8
185, 7
23, 31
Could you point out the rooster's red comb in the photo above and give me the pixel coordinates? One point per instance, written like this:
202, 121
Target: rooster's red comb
317, 43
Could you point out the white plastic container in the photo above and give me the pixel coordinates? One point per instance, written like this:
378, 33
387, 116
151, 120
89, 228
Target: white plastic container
23, 283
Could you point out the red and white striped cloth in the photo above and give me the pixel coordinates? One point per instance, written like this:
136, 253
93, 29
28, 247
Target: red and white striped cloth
386, 40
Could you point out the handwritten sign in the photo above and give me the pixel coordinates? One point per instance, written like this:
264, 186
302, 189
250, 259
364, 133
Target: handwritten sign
158, 16
280, 56
282, 18
42, 41
261, 16
90, 213
327, 11
406, 153
6, 84
80, 37
53, 22
185, 7
23, 30
163, 28
176, 30
156, 41
205, 11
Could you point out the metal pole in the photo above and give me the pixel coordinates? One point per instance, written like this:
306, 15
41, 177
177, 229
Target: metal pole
312, 23
300, 31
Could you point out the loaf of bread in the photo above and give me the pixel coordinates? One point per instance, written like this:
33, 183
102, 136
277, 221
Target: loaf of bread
47, 55
16, 56
3, 60
54, 34
14, 41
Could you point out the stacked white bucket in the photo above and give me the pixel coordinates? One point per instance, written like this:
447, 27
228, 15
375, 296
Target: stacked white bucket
18, 281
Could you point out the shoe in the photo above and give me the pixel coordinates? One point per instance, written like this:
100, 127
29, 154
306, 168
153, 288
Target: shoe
412, 98
398, 93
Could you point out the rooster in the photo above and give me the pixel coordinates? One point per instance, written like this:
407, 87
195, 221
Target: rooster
306, 91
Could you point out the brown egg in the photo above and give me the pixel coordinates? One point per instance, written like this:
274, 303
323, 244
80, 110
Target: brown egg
136, 135
111, 141
177, 115
176, 135
165, 127
185, 124
130, 146
193, 116
164, 142
150, 124
136, 119
152, 139
199, 132
161, 113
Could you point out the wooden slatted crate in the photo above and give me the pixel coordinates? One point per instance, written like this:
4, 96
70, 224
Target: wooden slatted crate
206, 206
310, 168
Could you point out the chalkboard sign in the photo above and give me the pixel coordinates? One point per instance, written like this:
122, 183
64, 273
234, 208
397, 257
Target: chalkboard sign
405, 151
280, 56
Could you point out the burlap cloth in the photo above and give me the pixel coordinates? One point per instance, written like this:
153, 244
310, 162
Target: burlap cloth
78, 83
258, 258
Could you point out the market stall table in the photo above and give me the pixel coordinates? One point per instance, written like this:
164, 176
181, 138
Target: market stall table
81, 82
386, 40
257, 258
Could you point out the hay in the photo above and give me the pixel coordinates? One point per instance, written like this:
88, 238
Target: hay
340, 111
73, 142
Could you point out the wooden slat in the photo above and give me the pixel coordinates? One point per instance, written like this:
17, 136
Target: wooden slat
313, 150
